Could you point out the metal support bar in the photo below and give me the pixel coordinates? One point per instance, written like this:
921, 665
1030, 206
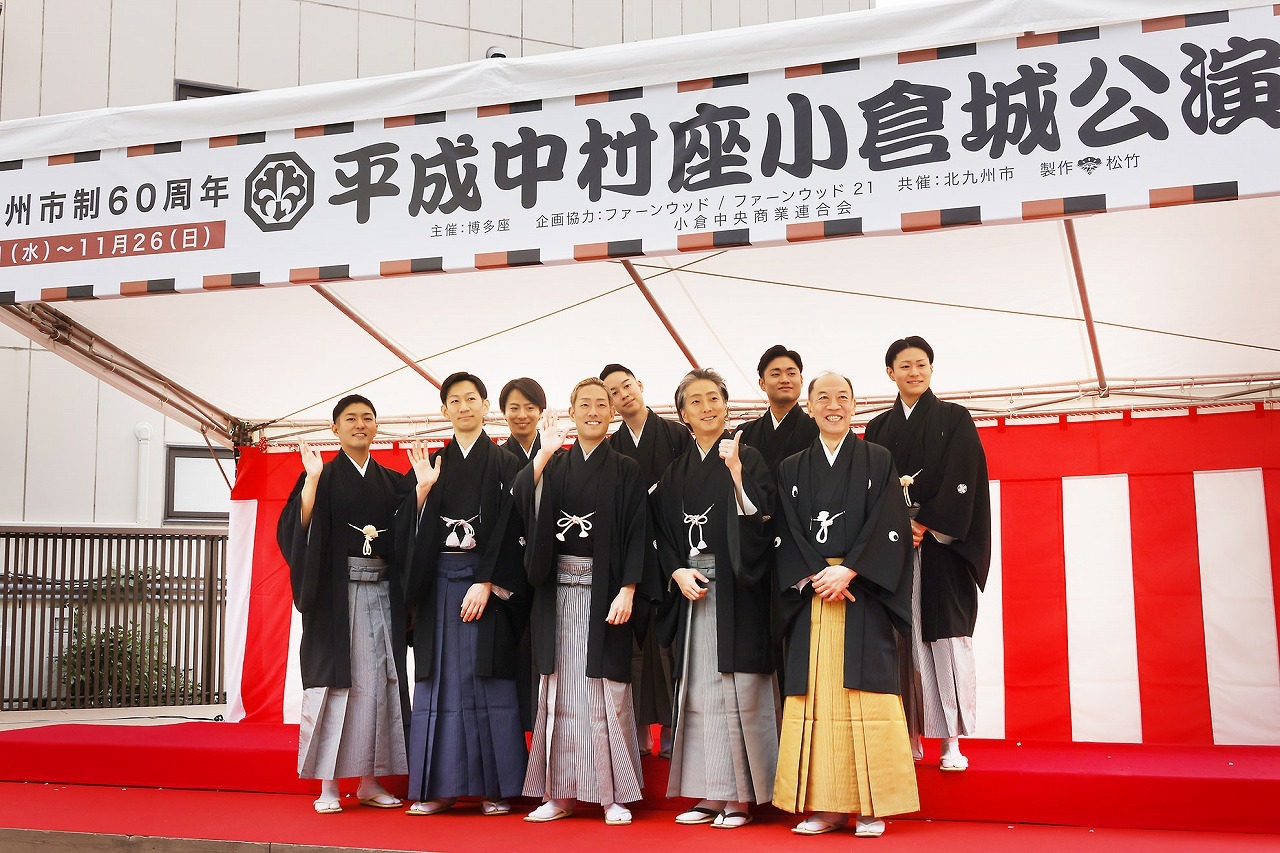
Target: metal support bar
657, 309
1074, 247
66, 338
359, 319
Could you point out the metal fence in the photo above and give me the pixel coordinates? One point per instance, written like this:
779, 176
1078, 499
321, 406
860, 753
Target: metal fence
111, 618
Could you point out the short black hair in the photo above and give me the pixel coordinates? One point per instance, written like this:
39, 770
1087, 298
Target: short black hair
909, 342
349, 400
615, 368
529, 388
462, 376
778, 351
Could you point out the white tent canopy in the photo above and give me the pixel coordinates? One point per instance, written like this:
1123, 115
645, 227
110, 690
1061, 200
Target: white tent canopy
1183, 303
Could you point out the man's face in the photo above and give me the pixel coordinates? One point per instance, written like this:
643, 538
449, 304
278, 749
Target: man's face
626, 392
465, 408
912, 372
831, 404
781, 382
592, 413
356, 427
522, 416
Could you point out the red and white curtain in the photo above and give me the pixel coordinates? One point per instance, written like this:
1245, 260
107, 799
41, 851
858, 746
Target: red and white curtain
1133, 594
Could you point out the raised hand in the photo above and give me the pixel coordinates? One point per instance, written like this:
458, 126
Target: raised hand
420, 460
550, 431
729, 452
311, 461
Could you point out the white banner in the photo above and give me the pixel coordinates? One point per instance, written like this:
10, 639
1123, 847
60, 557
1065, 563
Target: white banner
1149, 113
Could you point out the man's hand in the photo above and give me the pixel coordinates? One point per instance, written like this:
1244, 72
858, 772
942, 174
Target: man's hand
729, 452
474, 602
311, 461
832, 583
620, 609
917, 533
689, 581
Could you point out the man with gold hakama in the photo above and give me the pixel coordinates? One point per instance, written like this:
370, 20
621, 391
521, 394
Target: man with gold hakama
844, 574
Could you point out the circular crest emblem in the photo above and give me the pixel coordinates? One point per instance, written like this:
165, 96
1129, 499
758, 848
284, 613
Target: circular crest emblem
893, 536
279, 192
962, 489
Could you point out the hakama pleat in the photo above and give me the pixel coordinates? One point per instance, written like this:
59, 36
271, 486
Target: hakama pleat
726, 738
842, 750
651, 679
465, 739
358, 731
584, 736
948, 676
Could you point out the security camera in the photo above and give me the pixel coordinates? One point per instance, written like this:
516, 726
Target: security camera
495, 52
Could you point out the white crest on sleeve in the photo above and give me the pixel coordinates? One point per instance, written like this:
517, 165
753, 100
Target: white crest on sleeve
962, 489
868, 485
777, 541
795, 491
655, 544
653, 488
521, 541
893, 536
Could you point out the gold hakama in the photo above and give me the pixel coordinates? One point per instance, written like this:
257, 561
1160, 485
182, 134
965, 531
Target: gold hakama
842, 750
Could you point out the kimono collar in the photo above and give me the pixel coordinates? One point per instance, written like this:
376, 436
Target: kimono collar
358, 466
833, 454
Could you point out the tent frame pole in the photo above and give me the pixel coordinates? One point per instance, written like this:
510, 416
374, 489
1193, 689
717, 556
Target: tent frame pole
372, 331
662, 315
1074, 248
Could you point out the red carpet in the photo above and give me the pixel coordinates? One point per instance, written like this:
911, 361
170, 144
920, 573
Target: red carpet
1091, 785
281, 818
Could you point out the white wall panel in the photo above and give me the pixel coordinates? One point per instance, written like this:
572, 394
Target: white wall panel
269, 35
833, 7
455, 13
696, 17
386, 45
597, 23
61, 442
988, 636
74, 65
329, 44
399, 8
752, 12
537, 48
1102, 639
208, 41
496, 16
724, 14
782, 10
808, 8
1239, 607
15, 366
435, 46
548, 20
116, 466
637, 20
667, 18
142, 52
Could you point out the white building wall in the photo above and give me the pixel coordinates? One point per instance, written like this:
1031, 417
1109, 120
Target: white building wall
73, 458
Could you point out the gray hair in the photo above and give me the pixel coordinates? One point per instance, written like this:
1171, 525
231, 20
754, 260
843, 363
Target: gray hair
693, 376
826, 373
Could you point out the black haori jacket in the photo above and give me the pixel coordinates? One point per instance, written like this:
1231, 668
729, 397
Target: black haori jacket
940, 441
879, 551
503, 621
739, 544
620, 532
317, 559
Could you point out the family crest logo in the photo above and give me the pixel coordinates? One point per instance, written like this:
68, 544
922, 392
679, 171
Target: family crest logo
279, 192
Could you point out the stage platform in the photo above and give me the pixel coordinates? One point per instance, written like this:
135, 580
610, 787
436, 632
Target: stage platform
111, 779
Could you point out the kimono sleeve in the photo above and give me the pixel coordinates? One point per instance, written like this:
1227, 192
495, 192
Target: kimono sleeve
299, 552
502, 564
796, 558
633, 532
883, 547
760, 488
951, 510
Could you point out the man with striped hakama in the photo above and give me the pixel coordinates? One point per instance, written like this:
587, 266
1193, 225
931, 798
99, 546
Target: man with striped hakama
710, 508
586, 520
843, 572
936, 447
336, 534
468, 597
653, 443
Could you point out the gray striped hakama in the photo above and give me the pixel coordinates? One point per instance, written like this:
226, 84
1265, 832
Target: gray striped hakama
358, 731
584, 737
726, 738
948, 677
465, 737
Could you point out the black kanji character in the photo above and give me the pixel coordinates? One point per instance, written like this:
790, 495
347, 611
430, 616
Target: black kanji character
430, 187
532, 172
1024, 112
1145, 122
361, 186
1235, 87
802, 124
632, 154
705, 164
901, 120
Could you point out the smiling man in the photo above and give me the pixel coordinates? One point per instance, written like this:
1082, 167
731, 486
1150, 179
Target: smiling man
468, 595
784, 429
845, 581
585, 510
336, 535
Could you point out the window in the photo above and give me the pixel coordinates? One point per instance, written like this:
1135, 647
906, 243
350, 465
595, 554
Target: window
195, 490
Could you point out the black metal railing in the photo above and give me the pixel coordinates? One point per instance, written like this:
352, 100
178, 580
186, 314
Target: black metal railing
111, 618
